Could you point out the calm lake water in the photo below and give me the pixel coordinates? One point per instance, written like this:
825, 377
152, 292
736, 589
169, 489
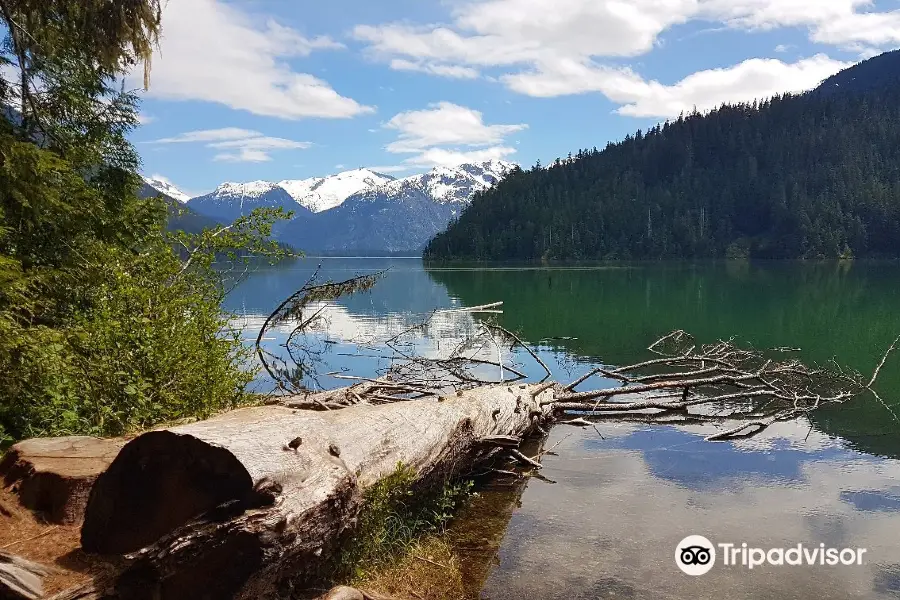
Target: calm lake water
617, 500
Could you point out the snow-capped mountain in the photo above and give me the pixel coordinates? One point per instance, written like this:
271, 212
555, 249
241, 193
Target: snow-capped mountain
397, 217
163, 186
232, 200
319, 194
452, 184
360, 210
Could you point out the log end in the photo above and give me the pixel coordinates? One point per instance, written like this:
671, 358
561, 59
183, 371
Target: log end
54, 476
158, 482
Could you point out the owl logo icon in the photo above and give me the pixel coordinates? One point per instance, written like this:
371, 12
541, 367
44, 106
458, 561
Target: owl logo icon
695, 555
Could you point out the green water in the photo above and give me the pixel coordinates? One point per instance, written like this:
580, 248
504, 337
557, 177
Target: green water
615, 501
846, 311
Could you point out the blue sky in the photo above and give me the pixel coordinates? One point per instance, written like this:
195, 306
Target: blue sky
277, 89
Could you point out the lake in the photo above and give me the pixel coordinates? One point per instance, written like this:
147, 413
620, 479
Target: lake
617, 499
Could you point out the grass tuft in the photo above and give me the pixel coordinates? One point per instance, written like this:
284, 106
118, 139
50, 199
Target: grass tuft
395, 517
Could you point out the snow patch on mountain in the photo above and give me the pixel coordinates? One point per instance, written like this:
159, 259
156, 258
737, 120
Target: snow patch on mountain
451, 184
251, 189
164, 186
232, 200
319, 194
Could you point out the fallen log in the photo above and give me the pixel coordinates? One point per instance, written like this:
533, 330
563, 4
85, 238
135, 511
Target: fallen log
54, 475
251, 503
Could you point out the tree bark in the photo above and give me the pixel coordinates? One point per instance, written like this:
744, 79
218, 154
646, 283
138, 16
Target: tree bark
20, 579
252, 502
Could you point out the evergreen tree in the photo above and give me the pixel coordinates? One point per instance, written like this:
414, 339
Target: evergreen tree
104, 326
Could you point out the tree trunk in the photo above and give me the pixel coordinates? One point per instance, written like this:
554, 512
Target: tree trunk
252, 502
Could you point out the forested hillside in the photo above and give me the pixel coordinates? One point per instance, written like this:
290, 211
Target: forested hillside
815, 175
180, 217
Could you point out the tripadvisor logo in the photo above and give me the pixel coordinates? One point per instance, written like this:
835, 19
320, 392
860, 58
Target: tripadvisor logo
696, 555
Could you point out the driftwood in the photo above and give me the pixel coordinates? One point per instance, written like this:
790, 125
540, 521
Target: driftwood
20, 578
740, 390
250, 503
481, 346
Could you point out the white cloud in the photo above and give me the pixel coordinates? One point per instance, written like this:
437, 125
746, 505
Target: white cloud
445, 123
782, 48
872, 29
243, 155
771, 14
508, 32
255, 149
451, 71
549, 48
239, 145
749, 80
214, 52
209, 135
866, 53
145, 119
261, 143
448, 134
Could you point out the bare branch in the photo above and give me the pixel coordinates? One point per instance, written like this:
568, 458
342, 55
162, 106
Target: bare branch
881, 364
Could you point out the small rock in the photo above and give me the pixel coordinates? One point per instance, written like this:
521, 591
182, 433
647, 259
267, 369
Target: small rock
343, 592
295, 443
334, 450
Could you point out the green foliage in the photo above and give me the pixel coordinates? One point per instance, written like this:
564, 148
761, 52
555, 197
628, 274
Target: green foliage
249, 235
797, 176
393, 517
104, 326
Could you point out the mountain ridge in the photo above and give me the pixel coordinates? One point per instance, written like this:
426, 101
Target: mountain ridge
166, 188
180, 216
359, 210
319, 194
